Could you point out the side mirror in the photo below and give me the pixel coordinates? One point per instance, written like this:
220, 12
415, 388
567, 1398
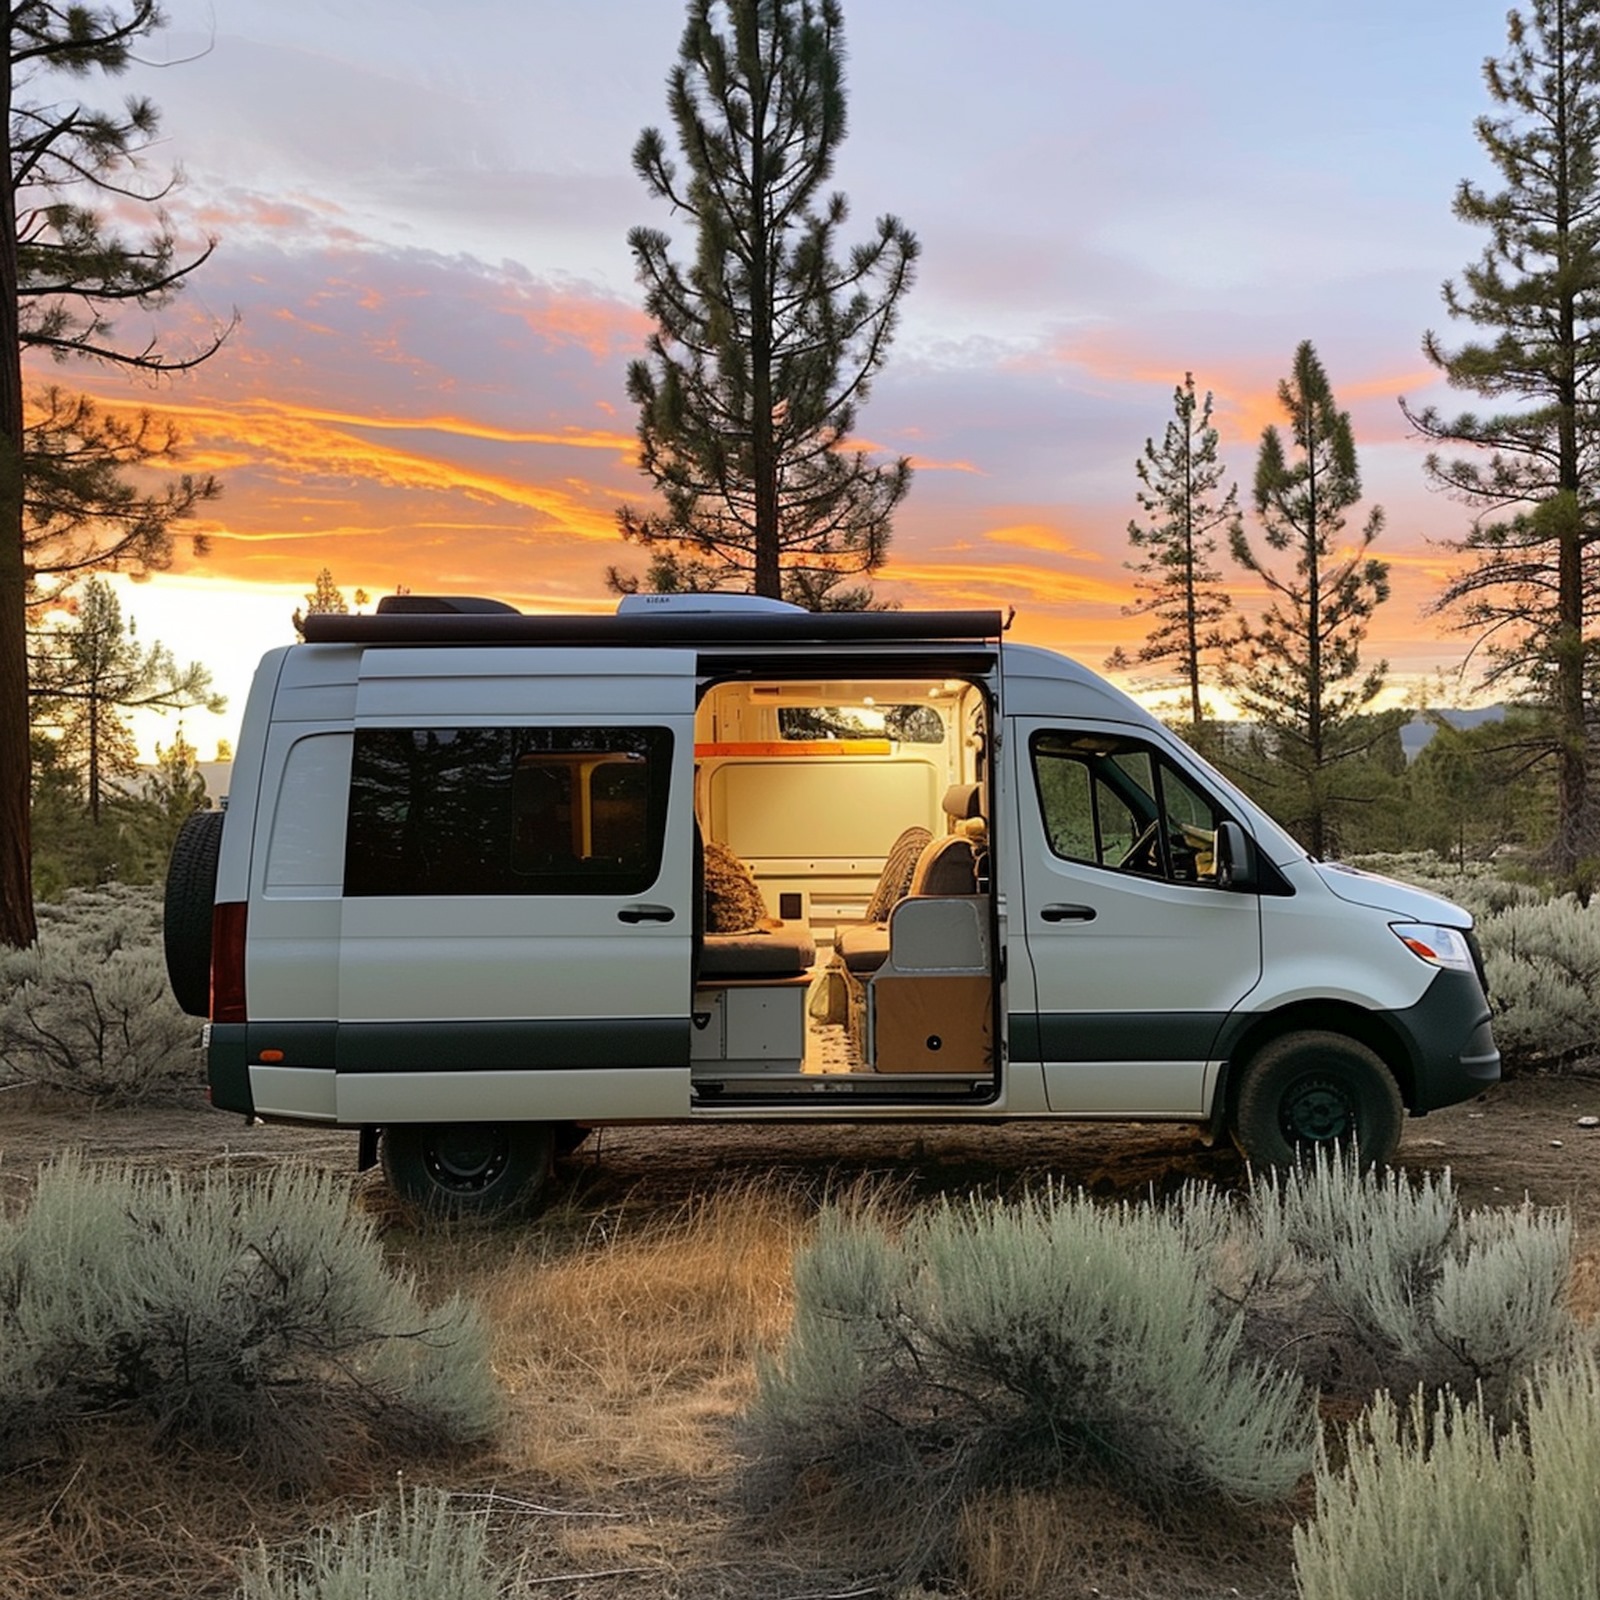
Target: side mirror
1235, 856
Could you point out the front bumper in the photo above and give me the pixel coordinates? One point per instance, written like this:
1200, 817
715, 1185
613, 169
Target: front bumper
1450, 1041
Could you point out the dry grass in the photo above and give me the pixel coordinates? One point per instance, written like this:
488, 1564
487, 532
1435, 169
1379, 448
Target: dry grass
620, 1357
1085, 1543
120, 1521
1585, 1291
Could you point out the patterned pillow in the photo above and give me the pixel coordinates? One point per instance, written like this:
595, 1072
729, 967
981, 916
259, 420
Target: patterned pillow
733, 900
895, 878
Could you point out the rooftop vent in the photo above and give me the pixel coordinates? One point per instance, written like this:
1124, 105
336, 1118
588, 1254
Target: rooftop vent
687, 605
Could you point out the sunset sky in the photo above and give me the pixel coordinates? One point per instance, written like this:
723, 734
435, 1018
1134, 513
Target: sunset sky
422, 213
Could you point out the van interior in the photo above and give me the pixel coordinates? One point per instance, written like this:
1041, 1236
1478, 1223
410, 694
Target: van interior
849, 930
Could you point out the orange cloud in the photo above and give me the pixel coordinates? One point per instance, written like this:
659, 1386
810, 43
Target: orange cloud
871, 447
595, 326
456, 427
1040, 536
402, 489
1000, 583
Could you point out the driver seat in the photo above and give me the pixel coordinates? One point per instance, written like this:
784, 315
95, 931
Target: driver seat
949, 865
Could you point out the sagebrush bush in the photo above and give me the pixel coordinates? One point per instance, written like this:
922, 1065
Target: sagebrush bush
258, 1318
88, 1009
990, 1346
422, 1548
1541, 953
1544, 977
1368, 1279
1436, 1500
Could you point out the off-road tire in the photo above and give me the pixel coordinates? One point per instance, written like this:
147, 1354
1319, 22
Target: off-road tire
186, 915
1316, 1088
468, 1170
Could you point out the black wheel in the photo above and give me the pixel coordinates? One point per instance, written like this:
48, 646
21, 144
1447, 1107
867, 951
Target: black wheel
1316, 1088
569, 1136
468, 1169
186, 914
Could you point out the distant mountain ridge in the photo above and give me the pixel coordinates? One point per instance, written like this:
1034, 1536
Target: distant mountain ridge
1414, 735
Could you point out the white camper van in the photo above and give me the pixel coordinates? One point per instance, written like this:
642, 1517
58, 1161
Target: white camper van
486, 881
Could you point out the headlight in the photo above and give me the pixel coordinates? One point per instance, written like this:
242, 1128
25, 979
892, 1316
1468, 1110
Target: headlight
1439, 947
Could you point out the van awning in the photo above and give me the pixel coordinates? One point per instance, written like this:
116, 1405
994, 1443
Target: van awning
754, 628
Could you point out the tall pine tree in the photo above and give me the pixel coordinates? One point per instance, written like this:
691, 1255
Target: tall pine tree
89, 673
768, 342
1535, 482
1297, 670
68, 504
1178, 584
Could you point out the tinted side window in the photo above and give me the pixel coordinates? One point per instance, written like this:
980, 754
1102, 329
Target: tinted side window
1115, 803
523, 811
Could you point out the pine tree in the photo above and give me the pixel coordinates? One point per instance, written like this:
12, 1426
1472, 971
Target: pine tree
66, 505
767, 344
1178, 581
84, 505
1536, 293
1298, 669
325, 599
88, 674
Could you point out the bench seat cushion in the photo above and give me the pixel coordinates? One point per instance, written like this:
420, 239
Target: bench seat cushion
773, 950
865, 948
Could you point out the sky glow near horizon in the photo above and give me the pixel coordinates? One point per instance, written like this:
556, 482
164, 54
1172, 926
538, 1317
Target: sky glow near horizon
422, 221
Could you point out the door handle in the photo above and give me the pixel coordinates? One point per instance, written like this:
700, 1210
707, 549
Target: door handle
645, 914
1060, 913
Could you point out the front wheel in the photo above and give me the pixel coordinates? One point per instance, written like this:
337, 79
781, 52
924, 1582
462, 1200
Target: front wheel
468, 1169
1313, 1089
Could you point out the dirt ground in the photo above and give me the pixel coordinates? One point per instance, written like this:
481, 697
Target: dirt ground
1528, 1138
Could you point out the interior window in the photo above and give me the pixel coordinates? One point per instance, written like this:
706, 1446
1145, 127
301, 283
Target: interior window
905, 724
1112, 802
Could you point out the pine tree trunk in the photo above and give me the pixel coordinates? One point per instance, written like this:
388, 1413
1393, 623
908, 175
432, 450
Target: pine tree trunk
1190, 599
17, 927
1571, 843
767, 576
94, 757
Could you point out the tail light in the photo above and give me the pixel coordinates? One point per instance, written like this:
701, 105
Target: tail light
227, 962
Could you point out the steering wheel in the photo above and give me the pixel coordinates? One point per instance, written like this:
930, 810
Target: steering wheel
1141, 855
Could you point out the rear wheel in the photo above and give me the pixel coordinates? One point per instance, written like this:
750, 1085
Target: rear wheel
468, 1169
1316, 1089
186, 913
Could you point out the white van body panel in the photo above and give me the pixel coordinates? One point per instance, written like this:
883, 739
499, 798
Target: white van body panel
1399, 900
490, 685
299, 1094
1325, 947
296, 923
593, 1094
496, 957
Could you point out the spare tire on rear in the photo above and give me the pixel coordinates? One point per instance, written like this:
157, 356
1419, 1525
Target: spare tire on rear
186, 919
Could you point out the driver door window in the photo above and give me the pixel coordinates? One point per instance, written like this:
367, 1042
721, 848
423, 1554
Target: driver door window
1111, 802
